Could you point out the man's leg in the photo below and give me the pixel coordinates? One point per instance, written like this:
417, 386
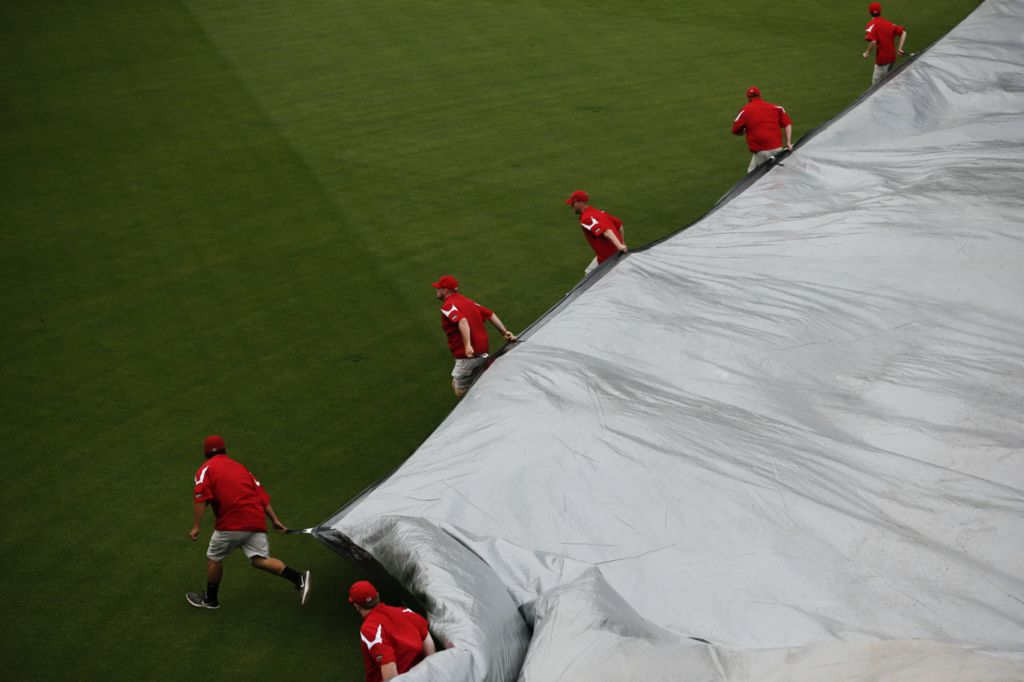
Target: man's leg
459, 392
464, 372
221, 545
214, 573
257, 548
268, 564
762, 157
879, 72
278, 567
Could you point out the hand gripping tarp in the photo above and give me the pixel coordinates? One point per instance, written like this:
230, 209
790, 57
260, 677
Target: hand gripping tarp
784, 444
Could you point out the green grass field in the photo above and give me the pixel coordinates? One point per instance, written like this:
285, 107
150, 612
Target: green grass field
224, 217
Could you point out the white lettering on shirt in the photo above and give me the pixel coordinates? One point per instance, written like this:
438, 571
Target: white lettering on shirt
589, 227
202, 475
448, 313
379, 639
738, 116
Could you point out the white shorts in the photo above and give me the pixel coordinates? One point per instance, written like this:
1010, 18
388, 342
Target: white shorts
880, 71
762, 157
224, 542
465, 371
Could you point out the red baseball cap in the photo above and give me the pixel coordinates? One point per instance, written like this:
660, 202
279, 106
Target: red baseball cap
753, 92
446, 282
875, 8
214, 445
361, 592
578, 195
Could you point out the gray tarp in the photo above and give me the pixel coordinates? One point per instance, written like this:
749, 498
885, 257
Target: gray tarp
793, 430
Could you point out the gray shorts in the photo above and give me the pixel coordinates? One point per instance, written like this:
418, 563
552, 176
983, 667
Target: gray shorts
761, 157
880, 71
224, 542
465, 371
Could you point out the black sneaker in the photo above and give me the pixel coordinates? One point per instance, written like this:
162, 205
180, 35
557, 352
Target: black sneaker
303, 588
198, 600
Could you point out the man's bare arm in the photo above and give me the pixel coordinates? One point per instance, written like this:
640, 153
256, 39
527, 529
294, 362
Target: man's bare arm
273, 518
428, 645
467, 340
613, 238
198, 510
496, 321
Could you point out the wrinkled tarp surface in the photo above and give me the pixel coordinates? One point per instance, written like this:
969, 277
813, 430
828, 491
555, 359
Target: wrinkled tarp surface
785, 443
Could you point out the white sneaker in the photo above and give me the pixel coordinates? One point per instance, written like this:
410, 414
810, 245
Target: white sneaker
304, 588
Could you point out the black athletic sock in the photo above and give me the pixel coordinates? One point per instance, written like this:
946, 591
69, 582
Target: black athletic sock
211, 592
293, 575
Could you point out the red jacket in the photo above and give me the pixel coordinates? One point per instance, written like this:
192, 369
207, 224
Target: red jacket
238, 500
882, 33
457, 307
763, 123
391, 634
595, 223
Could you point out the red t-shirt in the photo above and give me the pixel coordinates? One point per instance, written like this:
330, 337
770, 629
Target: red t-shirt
763, 123
594, 224
457, 307
391, 634
883, 33
237, 498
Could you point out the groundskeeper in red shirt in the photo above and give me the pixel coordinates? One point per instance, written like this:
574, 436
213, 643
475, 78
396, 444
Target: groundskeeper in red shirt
883, 33
393, 639
456, 307
603, 231
595, 223
763, 123
239, 501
